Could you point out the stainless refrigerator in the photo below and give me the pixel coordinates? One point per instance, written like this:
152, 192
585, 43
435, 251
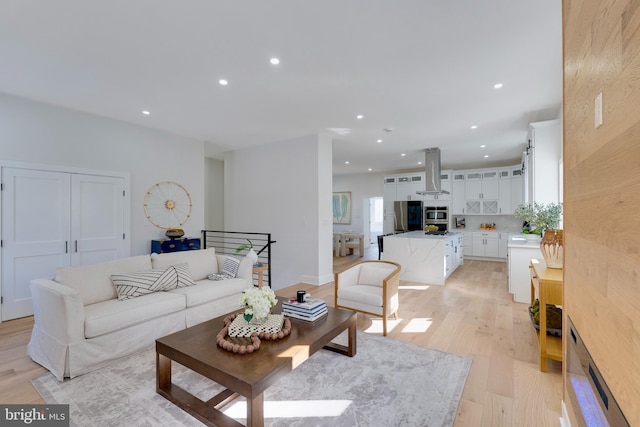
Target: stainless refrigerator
408, 215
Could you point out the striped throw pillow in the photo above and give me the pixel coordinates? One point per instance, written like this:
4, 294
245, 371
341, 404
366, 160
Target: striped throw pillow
133, 285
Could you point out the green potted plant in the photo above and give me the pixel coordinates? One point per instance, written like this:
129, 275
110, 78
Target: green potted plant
539, 217
251, 254
545, 219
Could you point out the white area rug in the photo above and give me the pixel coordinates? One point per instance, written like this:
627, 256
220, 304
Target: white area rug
387, 383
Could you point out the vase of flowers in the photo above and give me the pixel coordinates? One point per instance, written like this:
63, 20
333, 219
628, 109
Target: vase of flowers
257, 304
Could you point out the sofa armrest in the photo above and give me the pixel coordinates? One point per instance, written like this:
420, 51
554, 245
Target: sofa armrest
245, 271
58, 310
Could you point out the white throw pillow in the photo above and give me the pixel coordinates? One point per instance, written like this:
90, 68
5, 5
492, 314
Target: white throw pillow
201, 262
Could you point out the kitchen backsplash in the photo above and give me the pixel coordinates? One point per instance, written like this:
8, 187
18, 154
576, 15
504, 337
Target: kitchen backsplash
507, 223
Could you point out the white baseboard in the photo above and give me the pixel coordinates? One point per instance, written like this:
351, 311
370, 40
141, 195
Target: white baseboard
564, 420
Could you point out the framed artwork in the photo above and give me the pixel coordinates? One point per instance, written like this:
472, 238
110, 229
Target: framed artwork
342, 207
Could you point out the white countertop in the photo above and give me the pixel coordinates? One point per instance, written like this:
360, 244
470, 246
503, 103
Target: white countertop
520, 241
422, 235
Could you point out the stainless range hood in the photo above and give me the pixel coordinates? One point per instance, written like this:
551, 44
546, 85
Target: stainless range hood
433, 182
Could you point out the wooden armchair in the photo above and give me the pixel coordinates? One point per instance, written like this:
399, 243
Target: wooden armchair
369, 287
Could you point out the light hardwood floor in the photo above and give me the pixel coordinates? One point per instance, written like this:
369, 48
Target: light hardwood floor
472, 315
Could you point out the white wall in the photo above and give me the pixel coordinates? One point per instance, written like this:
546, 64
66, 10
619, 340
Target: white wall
214, 194
362, 188
284, 188
37, 133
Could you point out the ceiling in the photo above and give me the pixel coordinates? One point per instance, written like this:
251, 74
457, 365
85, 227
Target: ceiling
421, 72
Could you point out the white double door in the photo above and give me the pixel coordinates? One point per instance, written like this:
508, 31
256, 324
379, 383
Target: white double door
54, 219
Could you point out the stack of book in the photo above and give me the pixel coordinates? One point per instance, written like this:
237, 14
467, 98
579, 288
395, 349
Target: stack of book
310, 310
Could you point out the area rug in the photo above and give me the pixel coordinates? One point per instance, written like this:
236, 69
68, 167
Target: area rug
387, 383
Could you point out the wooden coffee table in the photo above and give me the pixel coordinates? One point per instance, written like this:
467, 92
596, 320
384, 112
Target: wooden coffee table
248, 375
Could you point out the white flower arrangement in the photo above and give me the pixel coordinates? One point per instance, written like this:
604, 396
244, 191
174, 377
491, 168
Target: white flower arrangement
258, 302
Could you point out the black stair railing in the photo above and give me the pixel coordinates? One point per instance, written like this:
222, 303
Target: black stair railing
226, 242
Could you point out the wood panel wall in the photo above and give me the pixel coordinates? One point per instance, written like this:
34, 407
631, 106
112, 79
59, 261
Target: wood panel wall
601, 41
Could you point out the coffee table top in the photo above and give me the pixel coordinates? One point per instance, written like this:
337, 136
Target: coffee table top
251, 374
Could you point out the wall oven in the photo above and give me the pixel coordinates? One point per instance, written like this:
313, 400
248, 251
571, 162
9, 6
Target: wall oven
436, 213
438, 216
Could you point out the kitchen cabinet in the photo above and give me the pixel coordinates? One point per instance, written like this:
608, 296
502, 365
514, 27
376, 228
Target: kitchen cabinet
503, 242
458, 193
519, 255
517, 190
407, 186
486, 244
544, 145
482, 184
449, 257
504, 188
482, 192
546, 284
388, 197
467, 248
458, 250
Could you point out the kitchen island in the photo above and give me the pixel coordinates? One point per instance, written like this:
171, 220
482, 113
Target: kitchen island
425, 258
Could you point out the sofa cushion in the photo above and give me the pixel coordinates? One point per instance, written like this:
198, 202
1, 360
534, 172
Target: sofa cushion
201, 262
209, 290
93, 281
132, 285
363, 294
113, 315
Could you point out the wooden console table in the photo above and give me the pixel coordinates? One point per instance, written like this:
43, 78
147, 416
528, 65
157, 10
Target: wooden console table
547, 284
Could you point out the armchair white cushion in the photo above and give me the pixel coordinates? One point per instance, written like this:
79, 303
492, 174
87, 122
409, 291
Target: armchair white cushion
370, 287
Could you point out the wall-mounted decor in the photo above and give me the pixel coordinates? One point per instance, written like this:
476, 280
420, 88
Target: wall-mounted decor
342, 207
167, 204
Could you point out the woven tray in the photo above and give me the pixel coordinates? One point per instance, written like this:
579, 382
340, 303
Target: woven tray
550, 331
240, 328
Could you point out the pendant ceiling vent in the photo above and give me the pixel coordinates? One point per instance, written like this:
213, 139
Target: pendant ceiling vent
433, 182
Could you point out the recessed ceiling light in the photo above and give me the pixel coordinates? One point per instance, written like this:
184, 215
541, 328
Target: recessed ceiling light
403, 154
498, 86
379, 141
486, 156
274, 61
145, 112
347, 162
482, 146
388, 129
369, 169
359, 116
223, 82
419, 163
474, 127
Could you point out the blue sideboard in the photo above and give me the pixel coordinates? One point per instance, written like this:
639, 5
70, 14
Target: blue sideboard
175, 245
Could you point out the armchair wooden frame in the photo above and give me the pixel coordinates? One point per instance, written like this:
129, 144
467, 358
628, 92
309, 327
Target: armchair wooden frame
390, 285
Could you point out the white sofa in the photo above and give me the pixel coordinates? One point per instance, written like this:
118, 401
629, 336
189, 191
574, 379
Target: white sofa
81, 325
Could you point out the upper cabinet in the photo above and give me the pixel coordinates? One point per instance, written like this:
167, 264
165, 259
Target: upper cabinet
495, 191
408, 185
458, 192
544, 147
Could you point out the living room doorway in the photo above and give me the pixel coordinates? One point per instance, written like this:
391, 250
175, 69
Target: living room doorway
376, 215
